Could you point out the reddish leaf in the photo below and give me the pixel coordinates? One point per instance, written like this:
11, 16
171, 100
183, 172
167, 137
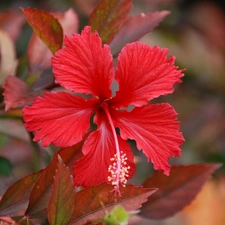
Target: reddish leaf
40, 194
46, 27
61, 205
11, 22
88, 204
175, 191
17, 93
85, 7
69, 21
14, 200
108, 17
135, 28
39, 55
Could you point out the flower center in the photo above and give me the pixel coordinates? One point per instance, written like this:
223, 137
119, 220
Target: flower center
118, 169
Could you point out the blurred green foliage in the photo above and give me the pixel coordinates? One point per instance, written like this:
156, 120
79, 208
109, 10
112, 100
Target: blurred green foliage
5, 167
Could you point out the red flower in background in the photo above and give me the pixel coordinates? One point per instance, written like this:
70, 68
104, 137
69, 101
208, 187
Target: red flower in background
142, 73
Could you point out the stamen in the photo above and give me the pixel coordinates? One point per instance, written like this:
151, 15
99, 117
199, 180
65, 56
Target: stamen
123, 173
119, 171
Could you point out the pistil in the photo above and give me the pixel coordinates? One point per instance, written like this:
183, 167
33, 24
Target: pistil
118, 168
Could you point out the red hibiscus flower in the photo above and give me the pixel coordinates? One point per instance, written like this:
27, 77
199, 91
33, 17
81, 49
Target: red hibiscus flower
85, 66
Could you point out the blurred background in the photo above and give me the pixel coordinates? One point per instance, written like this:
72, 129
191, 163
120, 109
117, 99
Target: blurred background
194, 32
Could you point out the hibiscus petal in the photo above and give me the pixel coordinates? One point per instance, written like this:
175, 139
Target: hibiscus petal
144, 73
59, 118
98, 149
84, 66
154, 130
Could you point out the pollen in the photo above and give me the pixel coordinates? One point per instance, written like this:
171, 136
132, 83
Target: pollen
119, 170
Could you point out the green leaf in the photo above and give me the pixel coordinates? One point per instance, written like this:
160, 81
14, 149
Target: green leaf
176, 190
61, 205
46, 27
22, 68
41, 192
88, 204
117, 216
5, 167
108, 17
15, 198
11, 113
